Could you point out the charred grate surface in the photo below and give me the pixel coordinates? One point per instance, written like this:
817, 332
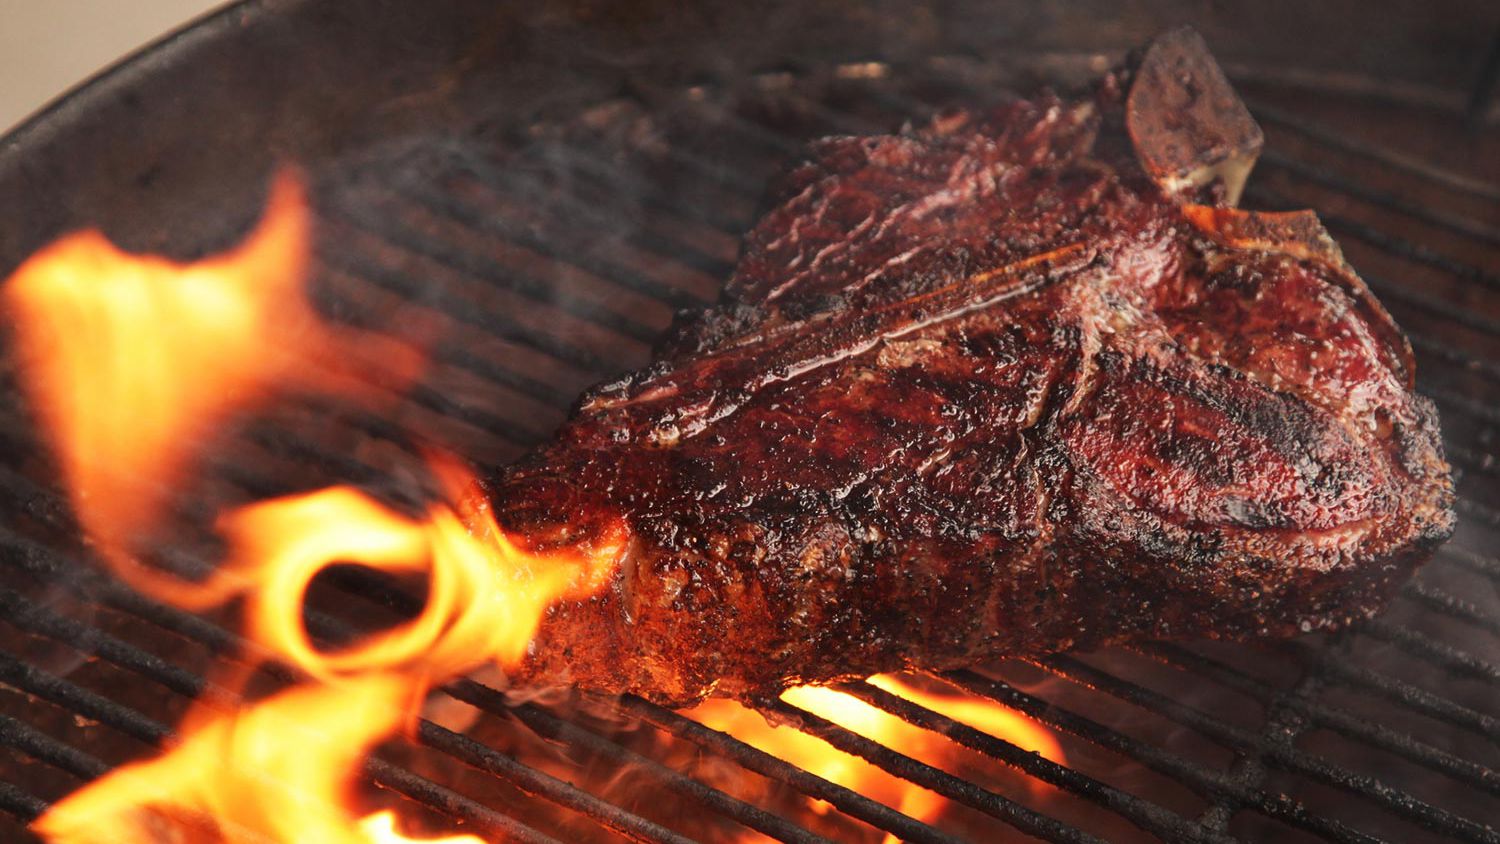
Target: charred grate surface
547, 260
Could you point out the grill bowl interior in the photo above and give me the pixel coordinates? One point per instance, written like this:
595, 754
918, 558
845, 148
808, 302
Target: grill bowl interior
542, 188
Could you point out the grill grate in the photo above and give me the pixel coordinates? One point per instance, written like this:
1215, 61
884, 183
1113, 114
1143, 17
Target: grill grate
551, 261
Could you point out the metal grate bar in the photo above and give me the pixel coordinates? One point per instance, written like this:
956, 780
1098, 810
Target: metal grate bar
1394, 800
489, 321
845, 800
101, 709
17, 673
1441, 602
20, 804
392, 233
1457, 314
1478, 513
1417, 299
532, 781
1344, 723
1344, 142
1389, 201
44, 748
550, 726
494, 824
1207, 782
1432, 651
954, 788
1433, 348
1413, 697
449, 206
1385, 241
1281, 727
1472, 560
1144, 814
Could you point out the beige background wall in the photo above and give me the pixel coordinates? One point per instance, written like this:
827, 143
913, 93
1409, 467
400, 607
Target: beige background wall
47, 46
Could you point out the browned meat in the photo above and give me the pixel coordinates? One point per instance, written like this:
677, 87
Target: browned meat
1016, 382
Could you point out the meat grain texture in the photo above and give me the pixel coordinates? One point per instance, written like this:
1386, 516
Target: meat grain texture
1015, 382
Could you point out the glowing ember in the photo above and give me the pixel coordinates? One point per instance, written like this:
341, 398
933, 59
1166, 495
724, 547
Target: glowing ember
847, 711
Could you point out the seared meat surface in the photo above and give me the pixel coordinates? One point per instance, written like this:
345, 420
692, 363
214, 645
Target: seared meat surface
1014, 382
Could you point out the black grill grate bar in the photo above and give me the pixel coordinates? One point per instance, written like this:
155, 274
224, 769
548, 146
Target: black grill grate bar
550, 726
1344, 142
1206, 782
933, 779
845, 800
1383, 240
20, 804
1144, 814
1393, 800
363, 315
1435, 348
490, 321
130, 722
1281, 727
530, 780
449, 206
1391, 244
33, 617
19, 674
88, 640
1412, 697
392, 233
1471, 460
1441, 602
1402, 248
21, 736
1324, 178
1460, 403
1478, 513
1432, 651
1472, 560
1466, 317
1344, 723
498, 825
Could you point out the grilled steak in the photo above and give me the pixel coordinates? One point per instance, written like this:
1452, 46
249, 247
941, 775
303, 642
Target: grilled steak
1015, 382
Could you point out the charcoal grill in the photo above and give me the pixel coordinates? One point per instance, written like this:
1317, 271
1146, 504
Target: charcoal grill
540, 186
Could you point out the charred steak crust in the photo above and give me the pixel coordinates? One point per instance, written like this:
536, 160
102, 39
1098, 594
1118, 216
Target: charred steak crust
1015, 382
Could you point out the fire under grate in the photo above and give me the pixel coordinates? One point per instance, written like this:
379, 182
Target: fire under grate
547, 260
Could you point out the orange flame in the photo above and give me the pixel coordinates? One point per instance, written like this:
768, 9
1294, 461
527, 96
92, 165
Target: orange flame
280, 769
852, 772
127, 357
